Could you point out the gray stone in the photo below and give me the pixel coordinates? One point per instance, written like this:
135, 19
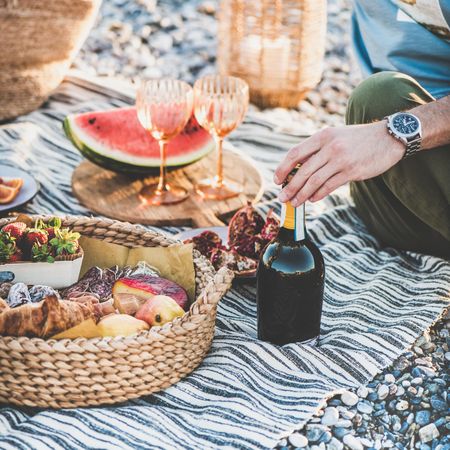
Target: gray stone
400, 391
335, 444
298, 440
330, 417
314, 434
362, 392
366, 442
352, 442
364, 407
389, 378
402, 405
428, 433
383, 391
344, 423
349, 398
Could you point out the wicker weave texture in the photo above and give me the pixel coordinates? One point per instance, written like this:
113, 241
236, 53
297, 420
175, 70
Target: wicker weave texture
39, 39
277, 46
87, 372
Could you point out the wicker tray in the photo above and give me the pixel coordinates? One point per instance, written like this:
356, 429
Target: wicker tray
88, 372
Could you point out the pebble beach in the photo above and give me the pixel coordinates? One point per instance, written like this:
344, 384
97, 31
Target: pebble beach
406, 406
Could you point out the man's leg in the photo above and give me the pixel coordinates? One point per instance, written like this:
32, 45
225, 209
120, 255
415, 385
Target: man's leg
407, 207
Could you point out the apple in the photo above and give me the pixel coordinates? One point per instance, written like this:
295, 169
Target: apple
159, 310
120, 325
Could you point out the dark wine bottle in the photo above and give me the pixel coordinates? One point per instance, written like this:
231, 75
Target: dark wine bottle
290, 282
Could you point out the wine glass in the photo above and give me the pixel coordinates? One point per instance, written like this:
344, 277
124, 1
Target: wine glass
219, 106
164, 107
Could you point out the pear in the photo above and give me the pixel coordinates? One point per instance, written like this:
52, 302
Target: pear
159, 310
120, 325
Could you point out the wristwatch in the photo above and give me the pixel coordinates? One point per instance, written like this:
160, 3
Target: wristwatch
406, 127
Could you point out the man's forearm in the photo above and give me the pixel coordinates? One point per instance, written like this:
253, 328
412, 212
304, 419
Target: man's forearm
435, 118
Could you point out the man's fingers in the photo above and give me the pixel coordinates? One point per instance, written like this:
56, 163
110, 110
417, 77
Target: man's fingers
329, 186
314, 182
296, 155
308, 170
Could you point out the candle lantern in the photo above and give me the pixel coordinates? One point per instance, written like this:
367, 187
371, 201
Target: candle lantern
277, 46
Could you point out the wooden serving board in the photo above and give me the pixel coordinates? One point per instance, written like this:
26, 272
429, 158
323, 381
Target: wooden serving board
115, 195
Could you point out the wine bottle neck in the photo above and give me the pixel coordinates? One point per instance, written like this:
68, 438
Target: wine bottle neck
293, 221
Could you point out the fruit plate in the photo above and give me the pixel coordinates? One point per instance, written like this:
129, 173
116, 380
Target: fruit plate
57, 275
27, 192
222, 232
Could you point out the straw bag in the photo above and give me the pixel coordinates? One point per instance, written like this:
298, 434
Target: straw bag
277, 46
38, 41
85, 372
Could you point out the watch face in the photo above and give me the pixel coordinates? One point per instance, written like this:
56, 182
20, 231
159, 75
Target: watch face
405, 124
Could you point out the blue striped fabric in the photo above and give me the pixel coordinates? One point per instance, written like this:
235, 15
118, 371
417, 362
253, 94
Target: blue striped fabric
246, 394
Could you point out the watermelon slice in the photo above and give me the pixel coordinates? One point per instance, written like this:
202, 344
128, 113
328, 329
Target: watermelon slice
116, 141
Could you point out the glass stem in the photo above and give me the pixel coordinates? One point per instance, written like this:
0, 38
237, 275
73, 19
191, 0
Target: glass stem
219, 177
162, 185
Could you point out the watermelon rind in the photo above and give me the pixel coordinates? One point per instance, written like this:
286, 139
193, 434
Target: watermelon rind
117, 161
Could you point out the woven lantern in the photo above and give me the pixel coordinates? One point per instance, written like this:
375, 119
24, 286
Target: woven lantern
277, 46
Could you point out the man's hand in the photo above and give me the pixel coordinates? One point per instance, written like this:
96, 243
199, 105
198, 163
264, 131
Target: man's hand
335, 156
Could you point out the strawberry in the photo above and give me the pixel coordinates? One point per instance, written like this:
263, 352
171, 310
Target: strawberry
16, 256
52, 224
15, 229
42, 252
35, 235
65, 242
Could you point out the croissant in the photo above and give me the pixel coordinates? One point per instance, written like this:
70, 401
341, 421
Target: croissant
44, 319
3, 305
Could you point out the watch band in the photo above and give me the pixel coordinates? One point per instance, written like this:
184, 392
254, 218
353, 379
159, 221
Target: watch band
412, 147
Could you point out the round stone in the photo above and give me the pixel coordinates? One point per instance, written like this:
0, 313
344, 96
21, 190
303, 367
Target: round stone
396, 423
428, 433
314, 434
383, 391
362, 392
364, 407
423, 417
298, 440
389, 378
352, 442
330, 416
400, 391
340, 432
437, 403
402, 405
344, 423
335, 444
349, 398
326, 437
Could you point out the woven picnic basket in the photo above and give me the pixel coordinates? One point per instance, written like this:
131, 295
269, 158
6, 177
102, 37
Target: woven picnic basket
87, 372
38, 41
277, 46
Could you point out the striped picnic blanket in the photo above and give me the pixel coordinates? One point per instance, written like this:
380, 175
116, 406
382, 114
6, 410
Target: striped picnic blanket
247, 394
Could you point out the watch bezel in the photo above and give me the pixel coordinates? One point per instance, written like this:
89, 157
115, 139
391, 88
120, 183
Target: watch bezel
398, 132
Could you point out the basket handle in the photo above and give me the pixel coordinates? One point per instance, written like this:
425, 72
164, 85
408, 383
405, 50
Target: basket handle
217, 287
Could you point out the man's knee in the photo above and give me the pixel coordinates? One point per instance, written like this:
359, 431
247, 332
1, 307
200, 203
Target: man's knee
382, 94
